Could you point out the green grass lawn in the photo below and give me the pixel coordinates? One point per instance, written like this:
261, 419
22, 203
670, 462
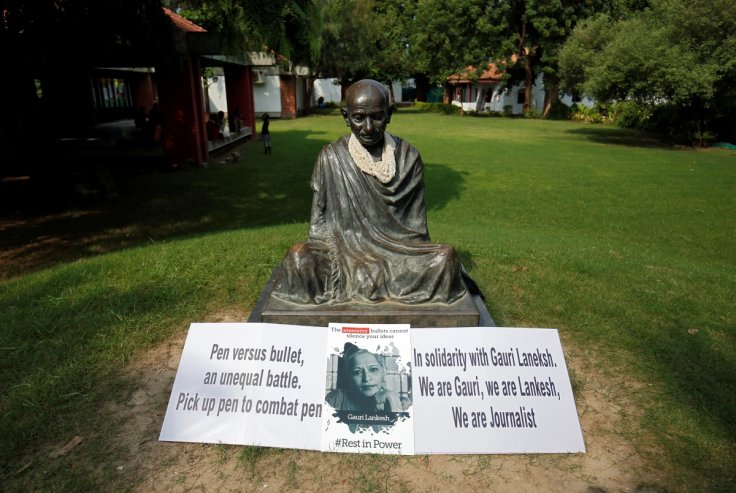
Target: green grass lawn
625, 245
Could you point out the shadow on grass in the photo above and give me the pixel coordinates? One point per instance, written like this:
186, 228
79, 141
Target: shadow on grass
41, 227
611, 135
66, 330
443, 185
56, 351
692, 367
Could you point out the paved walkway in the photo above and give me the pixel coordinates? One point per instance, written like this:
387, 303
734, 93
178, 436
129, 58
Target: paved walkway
124, 134
230, 138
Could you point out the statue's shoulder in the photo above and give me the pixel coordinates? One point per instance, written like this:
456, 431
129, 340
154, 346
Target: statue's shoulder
401, 142
405, 149
333, 147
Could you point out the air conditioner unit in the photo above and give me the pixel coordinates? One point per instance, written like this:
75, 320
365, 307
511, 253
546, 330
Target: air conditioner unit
258, 77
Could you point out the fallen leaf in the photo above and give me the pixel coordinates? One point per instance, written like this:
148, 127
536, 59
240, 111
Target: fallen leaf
692, 331
67, 448
519, 268
24, 468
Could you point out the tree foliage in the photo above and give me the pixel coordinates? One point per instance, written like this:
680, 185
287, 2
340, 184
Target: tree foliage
521, 37
432, 39
364, 38
42, 33
528, 35
348, 38
290, 27
447, 36
680, 53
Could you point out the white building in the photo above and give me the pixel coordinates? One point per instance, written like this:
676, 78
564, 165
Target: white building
331, 91
486, 93
279, 87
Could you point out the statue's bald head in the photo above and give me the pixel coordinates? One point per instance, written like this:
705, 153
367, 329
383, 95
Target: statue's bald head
367, 111
364, 89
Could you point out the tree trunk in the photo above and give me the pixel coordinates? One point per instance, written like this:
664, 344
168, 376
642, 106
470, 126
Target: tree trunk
206, 93
310, 92
422, 83
551, 92
480, 101
528, 82
393, 93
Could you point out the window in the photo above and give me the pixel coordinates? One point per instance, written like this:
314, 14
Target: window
112, 93
520, 96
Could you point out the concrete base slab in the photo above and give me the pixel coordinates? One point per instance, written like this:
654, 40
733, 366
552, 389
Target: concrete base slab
469, 311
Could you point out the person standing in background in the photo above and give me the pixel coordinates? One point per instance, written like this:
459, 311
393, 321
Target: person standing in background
265, 134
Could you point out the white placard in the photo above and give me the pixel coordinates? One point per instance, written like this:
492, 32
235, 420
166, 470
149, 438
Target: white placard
492, 390
249, 384
368, 390
462, 390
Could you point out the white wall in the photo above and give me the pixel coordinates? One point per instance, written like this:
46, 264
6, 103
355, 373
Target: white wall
508, 98
267, 96
301, 95
216, 93
327, 89
396, 88
331, 92
586, 101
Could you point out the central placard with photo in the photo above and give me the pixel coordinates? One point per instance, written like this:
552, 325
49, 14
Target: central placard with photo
369, 389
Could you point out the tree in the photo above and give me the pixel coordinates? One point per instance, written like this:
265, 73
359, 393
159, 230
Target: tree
446, 37
365, 38
348, 34
290, 27
678, 53
527, 35
521, 37
82, 31
393, 59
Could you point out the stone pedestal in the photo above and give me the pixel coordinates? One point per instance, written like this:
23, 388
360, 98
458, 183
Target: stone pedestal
469, 311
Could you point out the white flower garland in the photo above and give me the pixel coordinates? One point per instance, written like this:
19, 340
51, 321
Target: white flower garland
385, 169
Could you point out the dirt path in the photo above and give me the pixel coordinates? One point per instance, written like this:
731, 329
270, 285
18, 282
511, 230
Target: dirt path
615, 458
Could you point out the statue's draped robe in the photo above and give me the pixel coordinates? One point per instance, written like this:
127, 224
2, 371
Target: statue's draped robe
368, 241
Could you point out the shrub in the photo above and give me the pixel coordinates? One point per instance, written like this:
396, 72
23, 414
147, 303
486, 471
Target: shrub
683, 125
629, 114
596, 114
446, 109
533, 114
559, 111
483, 114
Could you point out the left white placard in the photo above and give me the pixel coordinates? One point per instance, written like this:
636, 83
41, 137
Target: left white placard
249, 384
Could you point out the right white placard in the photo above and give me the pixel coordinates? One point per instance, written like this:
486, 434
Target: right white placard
492, 390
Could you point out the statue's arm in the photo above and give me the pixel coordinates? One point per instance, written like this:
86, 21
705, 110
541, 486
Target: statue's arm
417, 203
317, 222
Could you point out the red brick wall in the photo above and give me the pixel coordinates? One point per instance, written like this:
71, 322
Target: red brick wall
181, 101
288, 96
239, 92
142, 91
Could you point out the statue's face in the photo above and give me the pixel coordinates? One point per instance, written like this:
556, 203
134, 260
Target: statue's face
366, 373
367, 114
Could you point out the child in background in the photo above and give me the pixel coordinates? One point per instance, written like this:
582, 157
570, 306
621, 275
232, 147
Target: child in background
265, 134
